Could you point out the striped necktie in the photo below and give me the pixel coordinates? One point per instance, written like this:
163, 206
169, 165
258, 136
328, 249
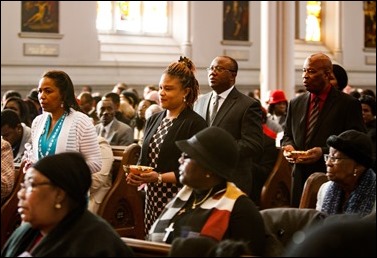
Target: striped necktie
213, 109
312, 120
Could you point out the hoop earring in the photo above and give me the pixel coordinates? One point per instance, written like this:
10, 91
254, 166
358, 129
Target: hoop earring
58, 206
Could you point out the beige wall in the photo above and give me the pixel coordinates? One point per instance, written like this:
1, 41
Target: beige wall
198, 35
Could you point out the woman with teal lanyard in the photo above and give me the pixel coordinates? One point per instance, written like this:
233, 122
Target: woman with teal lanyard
62, 127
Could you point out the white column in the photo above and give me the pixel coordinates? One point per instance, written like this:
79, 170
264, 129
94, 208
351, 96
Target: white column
286, 66
338, 53
277, 48
268, 69
186, 45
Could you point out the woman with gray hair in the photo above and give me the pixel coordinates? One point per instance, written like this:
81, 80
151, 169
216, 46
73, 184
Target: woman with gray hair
351, 188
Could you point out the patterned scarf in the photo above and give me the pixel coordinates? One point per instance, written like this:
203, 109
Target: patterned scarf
216, 225
361, 200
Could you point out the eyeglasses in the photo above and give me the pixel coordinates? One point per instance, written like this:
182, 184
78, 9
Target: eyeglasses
185, 156
29, 186
333, 159
218, 69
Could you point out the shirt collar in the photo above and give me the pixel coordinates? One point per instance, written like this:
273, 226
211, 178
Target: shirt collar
323, 95
223, 94
107, 127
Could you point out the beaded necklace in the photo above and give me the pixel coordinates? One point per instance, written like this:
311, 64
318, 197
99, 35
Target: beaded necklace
47, 145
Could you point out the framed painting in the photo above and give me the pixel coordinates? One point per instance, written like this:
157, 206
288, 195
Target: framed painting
370, 24
236, 21
40, 16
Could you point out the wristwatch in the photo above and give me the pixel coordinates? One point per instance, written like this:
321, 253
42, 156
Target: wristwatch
159, 178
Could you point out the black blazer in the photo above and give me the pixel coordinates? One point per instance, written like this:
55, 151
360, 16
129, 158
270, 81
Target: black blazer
241, 116
187, 124
339, 113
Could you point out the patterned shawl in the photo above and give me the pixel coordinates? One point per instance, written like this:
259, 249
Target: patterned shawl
361, 200
221, 204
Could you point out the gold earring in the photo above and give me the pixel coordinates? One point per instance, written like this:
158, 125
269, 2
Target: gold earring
184, 99
208, 176
354, 172
58, 206
62, 105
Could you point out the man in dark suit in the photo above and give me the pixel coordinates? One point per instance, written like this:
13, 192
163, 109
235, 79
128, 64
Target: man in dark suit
338, 112
237, 113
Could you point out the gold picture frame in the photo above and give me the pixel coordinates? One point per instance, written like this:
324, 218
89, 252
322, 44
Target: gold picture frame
39, 16
370, 24
236, 23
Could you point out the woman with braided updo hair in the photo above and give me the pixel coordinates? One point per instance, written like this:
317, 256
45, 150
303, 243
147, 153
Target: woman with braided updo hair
178, 90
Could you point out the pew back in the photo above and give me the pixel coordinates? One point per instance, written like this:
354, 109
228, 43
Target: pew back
276, 190
123, 205
143, 248
310, 191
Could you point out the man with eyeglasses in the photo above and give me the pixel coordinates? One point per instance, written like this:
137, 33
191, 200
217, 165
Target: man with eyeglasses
240, 115
336, 113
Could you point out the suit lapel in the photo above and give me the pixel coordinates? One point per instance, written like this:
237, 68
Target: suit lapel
303, 114
113, 130
230, 100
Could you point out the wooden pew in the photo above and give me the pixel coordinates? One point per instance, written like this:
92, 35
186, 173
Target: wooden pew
143, 248
276, 191
310, 191
118, 151
123, 205
10, 219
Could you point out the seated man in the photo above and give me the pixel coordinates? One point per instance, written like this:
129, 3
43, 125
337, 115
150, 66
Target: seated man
86, 104
110, 128
15, 132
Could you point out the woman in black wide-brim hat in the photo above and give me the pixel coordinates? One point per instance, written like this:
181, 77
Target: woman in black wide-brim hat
209, 204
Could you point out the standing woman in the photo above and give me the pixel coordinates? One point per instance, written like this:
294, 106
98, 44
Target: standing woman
62, 127
178, 90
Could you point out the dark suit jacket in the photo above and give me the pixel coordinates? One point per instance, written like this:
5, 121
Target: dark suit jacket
339, 113
241, 116
187, 124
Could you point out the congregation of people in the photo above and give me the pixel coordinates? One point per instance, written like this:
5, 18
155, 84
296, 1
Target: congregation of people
210, 156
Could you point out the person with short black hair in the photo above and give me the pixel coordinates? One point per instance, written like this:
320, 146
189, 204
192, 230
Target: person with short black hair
226, 107
15, 132
312, 117
368, 107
